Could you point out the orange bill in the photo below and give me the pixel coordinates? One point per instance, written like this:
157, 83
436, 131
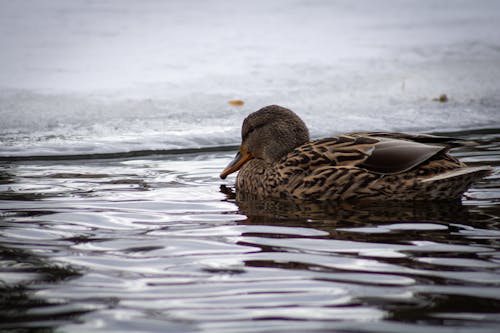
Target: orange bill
241, 158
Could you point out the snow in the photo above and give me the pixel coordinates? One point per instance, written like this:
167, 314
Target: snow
83, 77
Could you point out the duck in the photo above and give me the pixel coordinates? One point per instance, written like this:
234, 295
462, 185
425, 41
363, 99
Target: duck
277, 159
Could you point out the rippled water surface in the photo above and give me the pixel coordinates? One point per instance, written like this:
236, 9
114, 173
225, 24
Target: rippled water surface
159, 243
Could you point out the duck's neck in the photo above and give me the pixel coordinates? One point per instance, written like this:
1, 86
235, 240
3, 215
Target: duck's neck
256, 177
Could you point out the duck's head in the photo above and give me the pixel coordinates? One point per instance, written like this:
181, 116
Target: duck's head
268, 134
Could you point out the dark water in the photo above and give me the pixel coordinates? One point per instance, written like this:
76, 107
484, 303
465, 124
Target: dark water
156, 244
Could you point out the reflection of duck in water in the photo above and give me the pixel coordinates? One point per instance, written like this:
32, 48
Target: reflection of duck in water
334, 214
276, 159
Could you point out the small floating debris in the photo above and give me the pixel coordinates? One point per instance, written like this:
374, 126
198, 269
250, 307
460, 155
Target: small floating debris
441, 99
236, 102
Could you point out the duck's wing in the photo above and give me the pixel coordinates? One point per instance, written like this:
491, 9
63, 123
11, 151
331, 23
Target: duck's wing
396, 156
377, 154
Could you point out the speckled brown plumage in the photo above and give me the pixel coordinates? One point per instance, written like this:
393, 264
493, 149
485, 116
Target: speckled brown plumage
373, 166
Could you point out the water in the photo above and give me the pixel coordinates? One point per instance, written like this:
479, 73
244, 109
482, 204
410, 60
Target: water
155, 243
114, 127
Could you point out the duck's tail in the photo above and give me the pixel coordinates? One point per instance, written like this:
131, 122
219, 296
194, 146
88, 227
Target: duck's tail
451, 184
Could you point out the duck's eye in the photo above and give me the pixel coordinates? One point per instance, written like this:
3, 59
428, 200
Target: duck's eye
248, 133
252, 129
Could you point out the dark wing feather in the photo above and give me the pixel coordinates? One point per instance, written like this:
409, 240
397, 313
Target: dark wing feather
395, 156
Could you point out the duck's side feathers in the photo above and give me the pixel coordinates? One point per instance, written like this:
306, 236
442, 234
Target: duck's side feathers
397, 156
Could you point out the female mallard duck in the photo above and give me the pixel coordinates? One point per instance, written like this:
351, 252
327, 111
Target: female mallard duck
276, 159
